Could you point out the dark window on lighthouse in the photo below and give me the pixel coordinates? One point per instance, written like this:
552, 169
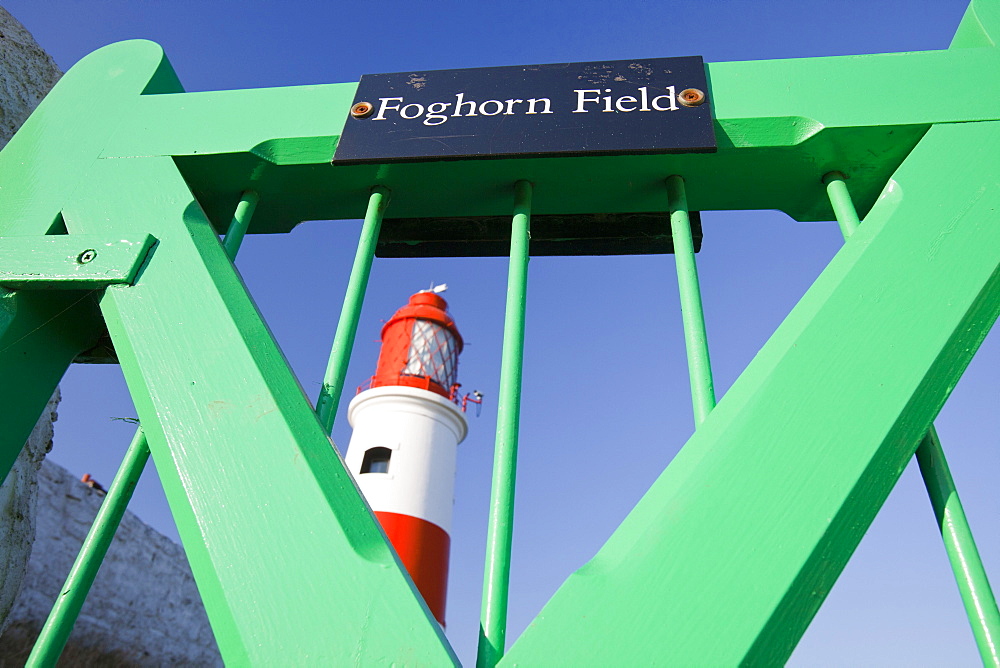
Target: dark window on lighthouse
376, 460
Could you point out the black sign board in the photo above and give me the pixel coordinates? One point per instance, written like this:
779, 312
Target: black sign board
657, 105
570, 234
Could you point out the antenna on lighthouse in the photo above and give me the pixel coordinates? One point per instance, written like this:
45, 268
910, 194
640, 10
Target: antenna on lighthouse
407, 428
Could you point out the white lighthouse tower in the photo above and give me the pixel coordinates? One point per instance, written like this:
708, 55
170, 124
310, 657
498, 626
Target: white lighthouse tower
407, 428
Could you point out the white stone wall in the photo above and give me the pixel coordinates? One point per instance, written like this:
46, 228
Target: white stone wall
18, 500
144, 608
27, 73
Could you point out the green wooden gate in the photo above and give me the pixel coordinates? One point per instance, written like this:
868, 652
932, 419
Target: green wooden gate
112, 197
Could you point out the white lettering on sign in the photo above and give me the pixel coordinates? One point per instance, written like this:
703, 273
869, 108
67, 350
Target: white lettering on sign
603, 100
624, 103
547, 109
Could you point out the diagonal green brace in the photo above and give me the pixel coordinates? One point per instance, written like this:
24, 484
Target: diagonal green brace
291, 565
970, 575
59, 624
730, 553
246, 462
70, 262
733, 549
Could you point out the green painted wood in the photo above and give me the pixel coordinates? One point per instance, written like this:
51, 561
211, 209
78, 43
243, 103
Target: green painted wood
266, 510
302, 542
42, 164
62, 617
62, 262
757, 515
979, 27
729, 555
966, 564
40, 334
779, 130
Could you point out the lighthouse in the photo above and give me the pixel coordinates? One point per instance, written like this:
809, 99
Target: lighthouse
407, 427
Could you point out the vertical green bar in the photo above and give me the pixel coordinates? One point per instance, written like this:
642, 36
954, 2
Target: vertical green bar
347, 326
967, 565
55, 632
977, 595
493, 622
695, 338
843, 205
241, 220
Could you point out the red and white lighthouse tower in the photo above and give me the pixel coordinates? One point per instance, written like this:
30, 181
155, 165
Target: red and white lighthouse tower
407, 428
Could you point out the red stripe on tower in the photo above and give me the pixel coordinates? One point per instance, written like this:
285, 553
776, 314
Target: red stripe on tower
407, 428
424, 549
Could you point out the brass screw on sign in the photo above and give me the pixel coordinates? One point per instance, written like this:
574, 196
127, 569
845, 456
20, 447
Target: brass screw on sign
362, 110
691, 97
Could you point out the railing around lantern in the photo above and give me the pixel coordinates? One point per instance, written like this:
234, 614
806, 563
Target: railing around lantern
425, 383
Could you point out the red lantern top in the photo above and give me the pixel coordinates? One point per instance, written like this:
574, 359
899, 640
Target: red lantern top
420, 347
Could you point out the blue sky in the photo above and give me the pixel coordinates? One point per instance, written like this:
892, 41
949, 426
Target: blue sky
605, 401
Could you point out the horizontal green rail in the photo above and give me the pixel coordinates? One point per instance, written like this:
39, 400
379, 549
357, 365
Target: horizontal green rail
70, 262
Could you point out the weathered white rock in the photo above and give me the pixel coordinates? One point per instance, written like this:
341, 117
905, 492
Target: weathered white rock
143, 609
27, 73
18, 500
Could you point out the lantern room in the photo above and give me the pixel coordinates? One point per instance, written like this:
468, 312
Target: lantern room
420, 346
